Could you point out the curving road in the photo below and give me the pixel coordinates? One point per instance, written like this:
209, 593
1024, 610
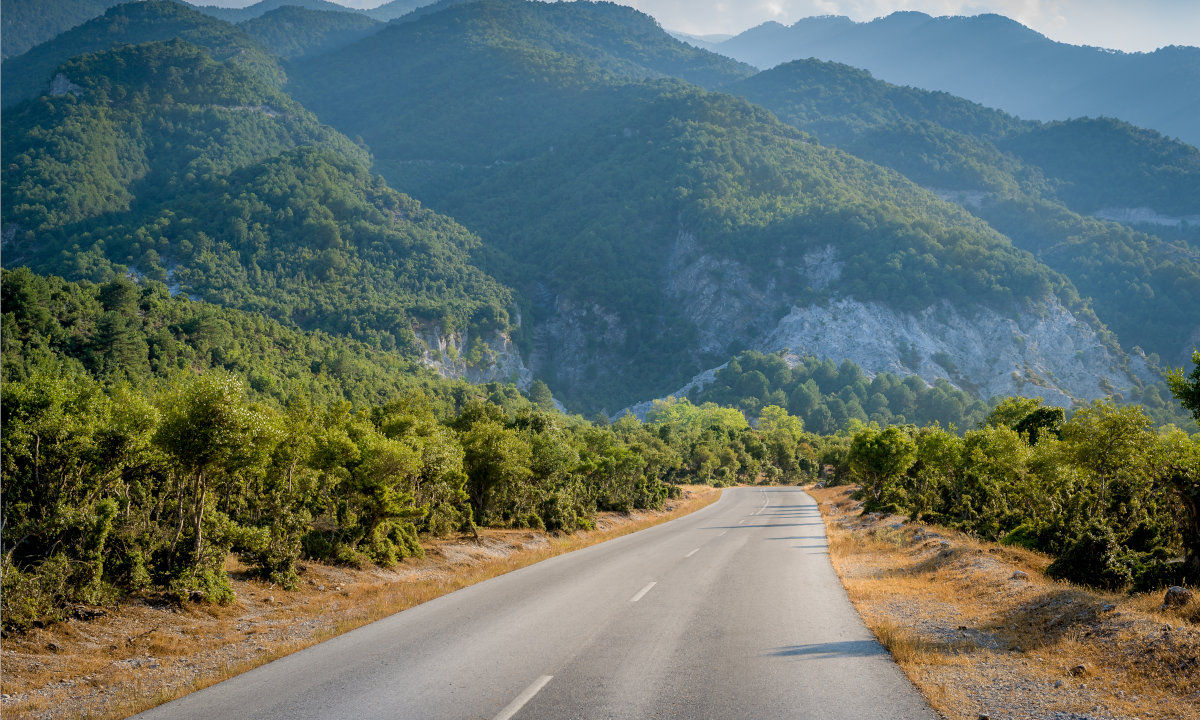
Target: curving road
731, 612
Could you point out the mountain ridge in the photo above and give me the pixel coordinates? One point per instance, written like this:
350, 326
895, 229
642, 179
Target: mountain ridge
1028, 74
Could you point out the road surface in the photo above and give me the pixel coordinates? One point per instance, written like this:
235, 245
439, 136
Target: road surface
731, 612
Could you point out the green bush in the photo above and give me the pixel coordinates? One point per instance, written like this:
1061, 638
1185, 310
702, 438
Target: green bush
1095, 557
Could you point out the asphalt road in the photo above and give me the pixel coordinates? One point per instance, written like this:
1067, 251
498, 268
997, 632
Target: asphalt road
731, 612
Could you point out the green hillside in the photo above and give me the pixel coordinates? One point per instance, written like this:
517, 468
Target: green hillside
262, 7
142, 121
132, 23
199, 175
1031, 181
292, 32
27, 23
827, 396
579, 176
121, 331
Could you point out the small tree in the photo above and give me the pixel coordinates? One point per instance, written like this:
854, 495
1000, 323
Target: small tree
1187, 388
878, 457
540, 395
206, 426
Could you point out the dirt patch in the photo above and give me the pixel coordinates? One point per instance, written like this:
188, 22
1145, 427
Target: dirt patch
114, 662
981, 630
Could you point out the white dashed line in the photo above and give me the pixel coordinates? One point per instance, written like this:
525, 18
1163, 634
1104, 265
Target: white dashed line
642, 593
692, 553
519, 702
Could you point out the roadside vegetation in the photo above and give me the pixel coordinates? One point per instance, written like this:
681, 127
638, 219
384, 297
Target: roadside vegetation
1114, 500
149, 438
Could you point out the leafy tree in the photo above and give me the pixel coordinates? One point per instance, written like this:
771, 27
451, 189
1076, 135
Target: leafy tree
879, 457
1186, 389
209, 430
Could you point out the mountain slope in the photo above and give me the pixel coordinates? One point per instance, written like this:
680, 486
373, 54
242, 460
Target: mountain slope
200, 175
138, 122
30, 74
653, 228
293, 32
262, 7
997, 62
1018, 175
395, 8
27, 23
120, 330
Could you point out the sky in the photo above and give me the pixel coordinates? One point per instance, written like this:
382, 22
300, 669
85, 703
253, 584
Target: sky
1130, 25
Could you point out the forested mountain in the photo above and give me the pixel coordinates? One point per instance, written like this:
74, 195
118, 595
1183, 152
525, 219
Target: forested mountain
670, 198
30, 74
203, 176
395, 8
997, 62
651, 229
27, 23
258, 9
122, 331
1019, 175
951, 142
293, 32
142, 120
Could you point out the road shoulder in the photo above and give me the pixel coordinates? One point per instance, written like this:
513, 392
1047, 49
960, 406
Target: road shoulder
982, 632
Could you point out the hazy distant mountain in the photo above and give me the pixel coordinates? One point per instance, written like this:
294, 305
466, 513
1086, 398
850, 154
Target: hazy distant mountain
293, 32
29, 22
396, 8
998, 62
704, 41
237, 15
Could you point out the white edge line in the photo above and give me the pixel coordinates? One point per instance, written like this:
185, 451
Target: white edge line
692, 553
526, 695
641, 594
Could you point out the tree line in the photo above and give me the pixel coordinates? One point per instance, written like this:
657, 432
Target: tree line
147, 438
1113, 499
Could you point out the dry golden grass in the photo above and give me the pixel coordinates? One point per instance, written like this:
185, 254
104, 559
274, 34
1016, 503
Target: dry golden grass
139, 656
977, 640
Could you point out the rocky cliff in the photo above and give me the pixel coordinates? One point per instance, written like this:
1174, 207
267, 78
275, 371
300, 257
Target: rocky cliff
455, 355
1035, 349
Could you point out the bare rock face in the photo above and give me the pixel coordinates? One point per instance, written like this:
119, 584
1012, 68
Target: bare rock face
718, 296
61, 85
578, 342
1144, 216
1033, 349
446, 353
1046, 351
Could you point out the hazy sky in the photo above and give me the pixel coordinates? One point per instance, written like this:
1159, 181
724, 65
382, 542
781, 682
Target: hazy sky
1120, 24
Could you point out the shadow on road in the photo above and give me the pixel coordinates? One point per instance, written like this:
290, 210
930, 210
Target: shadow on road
845, 648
